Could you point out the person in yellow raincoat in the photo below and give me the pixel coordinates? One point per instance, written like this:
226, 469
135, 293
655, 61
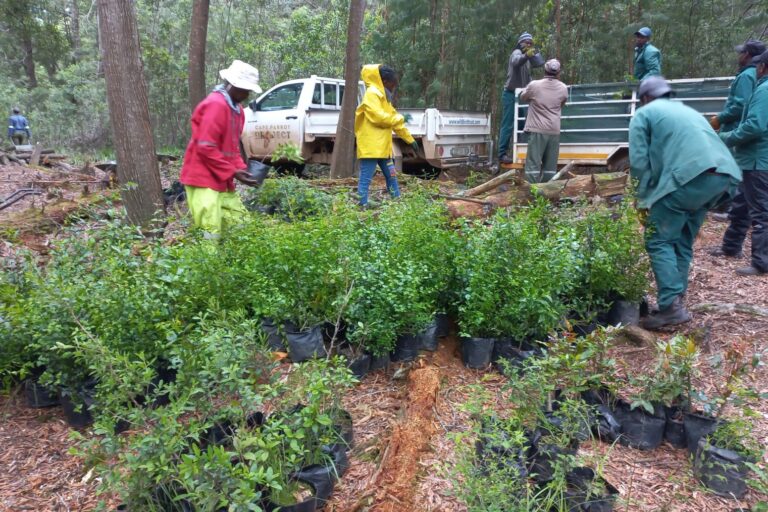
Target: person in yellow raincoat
375, 119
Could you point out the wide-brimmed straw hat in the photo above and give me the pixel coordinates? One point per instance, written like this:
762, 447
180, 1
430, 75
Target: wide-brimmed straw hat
242, 76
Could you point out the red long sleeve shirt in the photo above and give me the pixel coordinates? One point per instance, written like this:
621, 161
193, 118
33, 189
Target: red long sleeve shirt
213, 154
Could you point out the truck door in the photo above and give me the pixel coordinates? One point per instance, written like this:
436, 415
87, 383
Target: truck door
275, 119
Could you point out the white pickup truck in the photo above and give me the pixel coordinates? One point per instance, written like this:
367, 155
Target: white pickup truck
305, 112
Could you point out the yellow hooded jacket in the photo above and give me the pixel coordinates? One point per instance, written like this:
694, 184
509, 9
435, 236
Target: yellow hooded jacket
376, 118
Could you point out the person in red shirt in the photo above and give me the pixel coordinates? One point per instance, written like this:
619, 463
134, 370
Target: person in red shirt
212, 159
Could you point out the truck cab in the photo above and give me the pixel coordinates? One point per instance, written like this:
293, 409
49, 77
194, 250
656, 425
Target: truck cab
306, 113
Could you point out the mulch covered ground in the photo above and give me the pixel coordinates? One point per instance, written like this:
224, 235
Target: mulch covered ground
395, 467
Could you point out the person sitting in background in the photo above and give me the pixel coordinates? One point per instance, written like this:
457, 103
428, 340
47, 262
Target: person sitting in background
212, 159
18, 128
375, 120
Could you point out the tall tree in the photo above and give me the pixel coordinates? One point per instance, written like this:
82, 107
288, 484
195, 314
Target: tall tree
198, 33
129, 111
343, 160
74, 13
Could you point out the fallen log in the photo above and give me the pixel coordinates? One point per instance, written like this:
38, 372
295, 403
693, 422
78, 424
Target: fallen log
603, 185
491, 184
729, 308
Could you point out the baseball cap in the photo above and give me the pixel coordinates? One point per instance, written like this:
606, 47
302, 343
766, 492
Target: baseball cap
760, 59
552, 66
752, 47
645, 32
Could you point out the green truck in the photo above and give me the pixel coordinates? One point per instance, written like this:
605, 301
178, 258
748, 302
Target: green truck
595, 120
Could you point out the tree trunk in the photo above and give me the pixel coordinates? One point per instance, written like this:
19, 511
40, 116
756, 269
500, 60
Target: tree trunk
137, 168
29, 59
343, 158
75, 28
198, 34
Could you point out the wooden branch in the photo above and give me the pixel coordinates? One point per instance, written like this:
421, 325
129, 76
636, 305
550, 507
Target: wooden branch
461, 198
490, 184
729, 308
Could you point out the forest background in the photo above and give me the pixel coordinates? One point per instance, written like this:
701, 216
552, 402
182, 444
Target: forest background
451, 53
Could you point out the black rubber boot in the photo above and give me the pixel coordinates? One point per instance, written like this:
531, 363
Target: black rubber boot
672, 315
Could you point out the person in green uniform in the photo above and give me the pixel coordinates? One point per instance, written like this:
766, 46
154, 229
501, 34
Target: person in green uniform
750, 139
726, 121
647, 56
682, 169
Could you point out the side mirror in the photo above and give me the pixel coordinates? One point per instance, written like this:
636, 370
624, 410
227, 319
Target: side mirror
254, 105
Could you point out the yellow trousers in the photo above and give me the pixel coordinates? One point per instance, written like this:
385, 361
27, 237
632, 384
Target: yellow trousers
213, 211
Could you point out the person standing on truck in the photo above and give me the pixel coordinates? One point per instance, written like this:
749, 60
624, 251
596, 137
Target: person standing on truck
750, 140
18, 128
682, 170
375, 120
518, 76
212, 160
545, 98
647, 56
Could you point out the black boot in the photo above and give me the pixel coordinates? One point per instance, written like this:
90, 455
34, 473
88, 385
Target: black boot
674, 314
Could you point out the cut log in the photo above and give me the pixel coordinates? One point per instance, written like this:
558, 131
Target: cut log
603, 185
514, 174
35, 158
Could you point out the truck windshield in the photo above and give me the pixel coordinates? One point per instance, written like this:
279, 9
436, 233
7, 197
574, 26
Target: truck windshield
282, 98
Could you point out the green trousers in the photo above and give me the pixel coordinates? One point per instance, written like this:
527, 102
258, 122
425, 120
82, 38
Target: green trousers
19, 137
213, 211
542, 153
672, 225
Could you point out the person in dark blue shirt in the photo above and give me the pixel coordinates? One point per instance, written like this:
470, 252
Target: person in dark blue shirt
18, 128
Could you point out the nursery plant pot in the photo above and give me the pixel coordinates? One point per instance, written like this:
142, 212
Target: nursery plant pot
674, 430
274, 339
343, 426
443, 322
638, 428
322, 479
38, 396
605, 424
407, 347
544, 457
507, 349
624, 312
359, 365
476, 352
378, 362
722, 471
165, 374
339, 459
494, 451
580, 492
308, 505
77, 404
696, 427
429, 337
306, 344
257, 171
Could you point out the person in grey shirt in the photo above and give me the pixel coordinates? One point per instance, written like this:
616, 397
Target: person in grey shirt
545, 98
518, 76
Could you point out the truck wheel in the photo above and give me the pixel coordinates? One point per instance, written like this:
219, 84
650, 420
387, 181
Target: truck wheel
290, 169
425, 172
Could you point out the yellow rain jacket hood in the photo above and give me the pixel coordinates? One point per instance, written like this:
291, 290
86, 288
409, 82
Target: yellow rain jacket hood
376, 118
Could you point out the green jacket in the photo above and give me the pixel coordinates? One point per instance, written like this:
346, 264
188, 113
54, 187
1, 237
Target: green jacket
647, 61
750, 138
669, 145
738, 96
